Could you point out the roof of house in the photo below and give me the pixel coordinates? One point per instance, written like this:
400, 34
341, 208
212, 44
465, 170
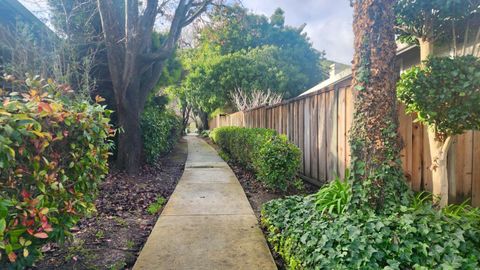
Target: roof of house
347, 73
12, 12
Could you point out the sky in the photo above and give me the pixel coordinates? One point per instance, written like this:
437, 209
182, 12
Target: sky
329, 22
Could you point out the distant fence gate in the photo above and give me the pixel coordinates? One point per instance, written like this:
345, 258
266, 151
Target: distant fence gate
318, 123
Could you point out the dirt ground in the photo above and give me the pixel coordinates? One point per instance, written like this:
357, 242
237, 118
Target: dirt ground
113, 237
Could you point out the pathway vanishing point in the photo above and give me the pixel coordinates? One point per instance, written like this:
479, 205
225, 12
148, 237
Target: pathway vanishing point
208, 222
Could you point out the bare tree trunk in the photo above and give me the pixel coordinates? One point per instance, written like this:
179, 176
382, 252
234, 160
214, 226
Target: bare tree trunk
426, 49
185, 117
439, 152
134, 67
202, 123
130, 139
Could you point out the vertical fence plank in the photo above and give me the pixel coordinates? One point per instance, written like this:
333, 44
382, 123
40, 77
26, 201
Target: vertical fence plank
306, 136
404, 130
463, 166
476, 170
349, 109
322, 138
331, 126
427, 163
459, 145
314, 136
417, 155
295, 123
341, 126
301, 131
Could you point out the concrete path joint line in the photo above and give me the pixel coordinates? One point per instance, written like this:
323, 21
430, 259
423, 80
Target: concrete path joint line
208, 222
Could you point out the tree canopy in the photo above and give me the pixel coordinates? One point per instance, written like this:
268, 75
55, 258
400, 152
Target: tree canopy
241, 50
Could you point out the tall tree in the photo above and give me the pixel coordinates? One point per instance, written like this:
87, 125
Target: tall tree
433, 23
375, 144
135, 66
241, 50
429, 23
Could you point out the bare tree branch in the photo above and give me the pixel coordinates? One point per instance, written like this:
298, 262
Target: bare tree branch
245, 100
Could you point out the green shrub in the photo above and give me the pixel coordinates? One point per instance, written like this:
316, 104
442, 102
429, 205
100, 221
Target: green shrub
53, 154
415, 237
161, 129
444, 93
277, 162
274, 159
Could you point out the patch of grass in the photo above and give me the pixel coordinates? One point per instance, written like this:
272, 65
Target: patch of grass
155, 207
130, 244
100, 234
120, 221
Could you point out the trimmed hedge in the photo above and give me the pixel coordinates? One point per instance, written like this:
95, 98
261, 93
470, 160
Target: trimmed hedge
53, 154
160, 130
273, 158
319, 231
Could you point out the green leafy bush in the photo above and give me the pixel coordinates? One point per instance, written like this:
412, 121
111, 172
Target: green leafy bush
161, 129
274, 159
53, 154
412, 237
445, 93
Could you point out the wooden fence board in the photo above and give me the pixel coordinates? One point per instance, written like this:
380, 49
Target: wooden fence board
314, 136
476, 170
322, 138
417, 153
306, 138
331, 126
349, 109
301, 132
427, 163
341, 126
459, 166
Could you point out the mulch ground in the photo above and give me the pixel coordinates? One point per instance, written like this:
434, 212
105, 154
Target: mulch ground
258, 194
114, 236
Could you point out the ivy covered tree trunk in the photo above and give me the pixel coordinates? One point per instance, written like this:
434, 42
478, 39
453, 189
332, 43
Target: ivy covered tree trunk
376, 169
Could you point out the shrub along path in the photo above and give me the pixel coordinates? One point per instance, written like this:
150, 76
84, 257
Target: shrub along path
208, 222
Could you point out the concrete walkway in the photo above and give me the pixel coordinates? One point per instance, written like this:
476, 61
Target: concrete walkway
208, 222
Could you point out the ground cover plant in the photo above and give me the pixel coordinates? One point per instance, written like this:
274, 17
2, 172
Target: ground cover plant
319, 231
372, 220
53, 154
273, 158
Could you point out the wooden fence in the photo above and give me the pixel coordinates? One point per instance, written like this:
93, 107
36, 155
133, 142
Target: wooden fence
318, 124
